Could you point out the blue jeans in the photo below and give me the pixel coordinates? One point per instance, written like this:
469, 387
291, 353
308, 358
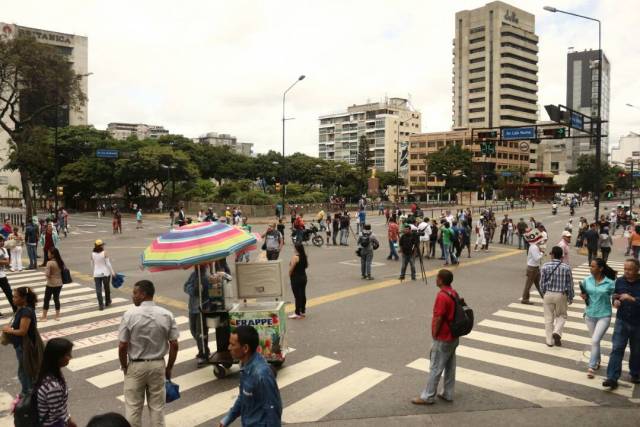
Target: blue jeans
520, 241
344, 236
597, 328
449, 256
408, 259
33, 255
25, 381
365, 263
392, 250
623, 332
443, 359
101, 282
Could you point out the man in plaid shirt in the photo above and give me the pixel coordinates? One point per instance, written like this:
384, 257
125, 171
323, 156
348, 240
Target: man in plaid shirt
556, 287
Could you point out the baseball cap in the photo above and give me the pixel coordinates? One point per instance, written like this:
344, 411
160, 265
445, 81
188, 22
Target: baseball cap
566, 234
99, 242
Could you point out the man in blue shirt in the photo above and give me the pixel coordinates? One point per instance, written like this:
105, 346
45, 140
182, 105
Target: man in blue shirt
258, 403
626, 298
362, 218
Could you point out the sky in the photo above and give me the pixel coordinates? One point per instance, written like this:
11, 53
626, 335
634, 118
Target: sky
202, 66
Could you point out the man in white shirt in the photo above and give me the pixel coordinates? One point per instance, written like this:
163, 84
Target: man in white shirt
565, 244
535, 254
613, 219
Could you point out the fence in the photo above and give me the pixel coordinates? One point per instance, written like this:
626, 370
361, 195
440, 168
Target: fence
16, 218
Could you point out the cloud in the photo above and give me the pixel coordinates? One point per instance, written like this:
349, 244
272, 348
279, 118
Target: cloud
222, 66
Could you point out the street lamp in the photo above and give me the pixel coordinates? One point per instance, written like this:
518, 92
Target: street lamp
596, 196
173, 183
284, 119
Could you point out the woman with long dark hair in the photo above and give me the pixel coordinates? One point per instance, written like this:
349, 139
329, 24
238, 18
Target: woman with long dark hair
102, 273
52, 391
53, 273
596, 290
298, 276
23, 327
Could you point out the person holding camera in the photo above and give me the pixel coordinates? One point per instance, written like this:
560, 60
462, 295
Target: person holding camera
367, 243
408, 242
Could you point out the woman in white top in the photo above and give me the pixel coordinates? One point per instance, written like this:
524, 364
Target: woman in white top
16, 251
102, 273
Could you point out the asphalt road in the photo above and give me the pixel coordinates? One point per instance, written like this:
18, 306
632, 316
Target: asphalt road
360, 355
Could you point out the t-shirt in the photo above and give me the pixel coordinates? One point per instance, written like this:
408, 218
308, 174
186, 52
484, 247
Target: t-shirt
272, 240
24, 312
447, 236
444, 307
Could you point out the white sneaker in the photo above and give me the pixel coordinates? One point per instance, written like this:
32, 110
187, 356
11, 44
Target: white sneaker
294, 316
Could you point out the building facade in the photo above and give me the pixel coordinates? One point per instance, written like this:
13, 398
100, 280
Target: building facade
386, 125
224, 139
75, 49
495, 67
582, 96
509, 158
141, 131
628, 148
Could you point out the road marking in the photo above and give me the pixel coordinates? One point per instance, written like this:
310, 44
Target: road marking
66, 309
110, 355
537, 319
328, 399
86, 327
542, 369
356, 263
110, 336
530, 393
540, 309
576, 301
18, 277
534, 346
80, 290
220, 403
88, 315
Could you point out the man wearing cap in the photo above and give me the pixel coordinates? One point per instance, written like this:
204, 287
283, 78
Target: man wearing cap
534, 255
565, 244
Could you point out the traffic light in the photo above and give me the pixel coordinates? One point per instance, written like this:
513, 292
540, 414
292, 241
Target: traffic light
488, 148
488, 135
555, 133
60, 191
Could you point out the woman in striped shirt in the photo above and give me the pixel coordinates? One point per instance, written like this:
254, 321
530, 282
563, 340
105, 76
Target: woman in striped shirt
52, 393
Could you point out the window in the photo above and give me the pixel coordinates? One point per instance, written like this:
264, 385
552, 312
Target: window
477, 40
476, 90
476, 50
518, 57
520, 109
521, 89
476, 110
522, 48
518, 98
476, 60
519, 37
517, 67
476, 70
517, 119
476, 80
474, 100
555, 166
522, 79
476, 30
477, 120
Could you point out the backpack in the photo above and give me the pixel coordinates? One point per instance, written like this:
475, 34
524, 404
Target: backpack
462, 322
26, 412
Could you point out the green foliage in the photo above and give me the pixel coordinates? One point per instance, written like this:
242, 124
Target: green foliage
584, 178
454, 164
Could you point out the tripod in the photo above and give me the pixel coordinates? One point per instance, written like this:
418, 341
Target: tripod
417, 252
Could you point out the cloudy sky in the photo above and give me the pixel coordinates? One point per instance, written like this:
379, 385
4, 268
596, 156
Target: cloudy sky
198, 66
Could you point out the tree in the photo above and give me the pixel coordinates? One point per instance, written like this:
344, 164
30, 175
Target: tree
454, 164
35, 80
584, 179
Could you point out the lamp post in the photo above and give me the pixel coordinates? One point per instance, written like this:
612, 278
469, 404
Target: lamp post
597, 171
173, 183
284, 119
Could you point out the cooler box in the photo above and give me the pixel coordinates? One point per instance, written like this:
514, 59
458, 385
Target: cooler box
269, 319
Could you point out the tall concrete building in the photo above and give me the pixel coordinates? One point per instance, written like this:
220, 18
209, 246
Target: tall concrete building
75, 49
495, 67
582, 96
386, 124
628, 148
224, 139
120, 130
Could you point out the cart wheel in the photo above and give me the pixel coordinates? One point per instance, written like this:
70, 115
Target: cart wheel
219, 371
227, 365
277, 363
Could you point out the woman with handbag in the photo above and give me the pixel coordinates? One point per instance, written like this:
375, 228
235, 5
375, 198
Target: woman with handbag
52, 392
102, 273
23, 332
53, 273
596, 291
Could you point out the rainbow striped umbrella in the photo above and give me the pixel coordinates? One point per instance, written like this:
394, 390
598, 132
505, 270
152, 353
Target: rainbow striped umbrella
194, 244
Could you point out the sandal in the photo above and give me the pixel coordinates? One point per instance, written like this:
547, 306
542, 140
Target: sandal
591, 373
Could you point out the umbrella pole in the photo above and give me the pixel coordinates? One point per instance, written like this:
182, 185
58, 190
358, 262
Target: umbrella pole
202, 337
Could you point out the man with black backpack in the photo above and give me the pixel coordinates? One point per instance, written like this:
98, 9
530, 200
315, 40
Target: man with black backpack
367, 243
451, 320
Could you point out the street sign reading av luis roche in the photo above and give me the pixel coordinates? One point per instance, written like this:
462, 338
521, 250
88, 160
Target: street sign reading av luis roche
105, 153
510, 134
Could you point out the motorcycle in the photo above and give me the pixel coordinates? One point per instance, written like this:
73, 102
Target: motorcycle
572, 210
311, 233
554, 209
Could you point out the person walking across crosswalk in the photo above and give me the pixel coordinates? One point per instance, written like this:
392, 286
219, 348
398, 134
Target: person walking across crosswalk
556, 287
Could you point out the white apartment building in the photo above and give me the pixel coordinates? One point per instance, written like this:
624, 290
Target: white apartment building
75, 49
141, 131
628, 148
386, 124
495, 67
224, 139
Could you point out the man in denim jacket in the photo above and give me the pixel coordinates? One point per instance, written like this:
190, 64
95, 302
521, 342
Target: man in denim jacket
258, 403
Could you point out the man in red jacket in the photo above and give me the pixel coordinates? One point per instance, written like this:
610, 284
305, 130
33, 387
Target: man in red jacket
443, 349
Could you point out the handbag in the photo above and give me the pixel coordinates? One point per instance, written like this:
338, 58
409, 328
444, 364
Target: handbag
5, 338
172, 391
10, 244
66, 276
583, 251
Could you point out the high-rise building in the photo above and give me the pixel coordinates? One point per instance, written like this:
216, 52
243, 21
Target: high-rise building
495, 72
386, 125
224, 139
75, 49
120, 130
582, 96
628, 148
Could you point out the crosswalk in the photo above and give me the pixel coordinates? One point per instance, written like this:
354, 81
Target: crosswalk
505, 354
